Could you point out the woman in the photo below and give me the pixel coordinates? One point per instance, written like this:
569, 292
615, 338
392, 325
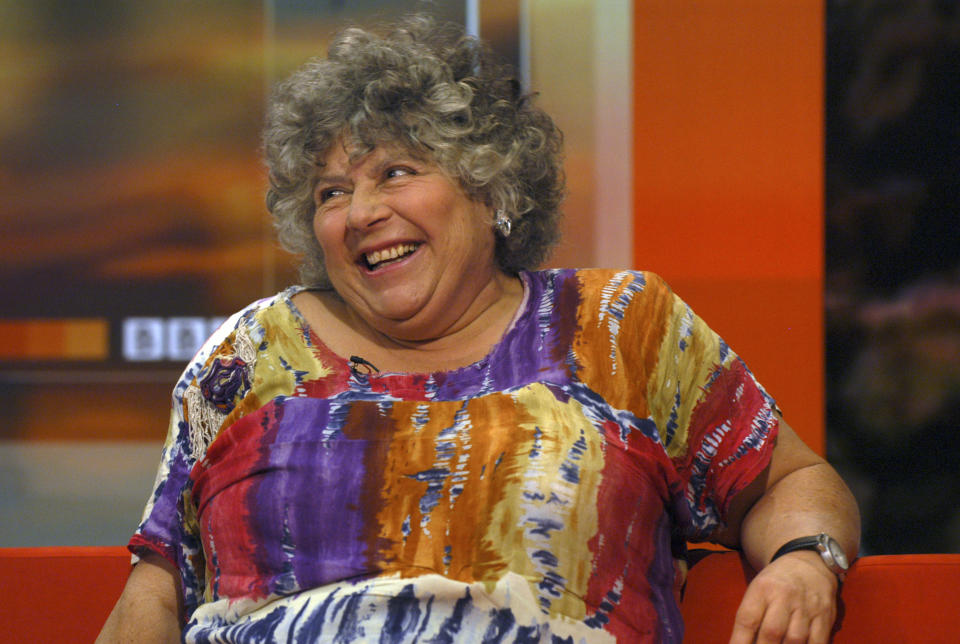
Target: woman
432, 442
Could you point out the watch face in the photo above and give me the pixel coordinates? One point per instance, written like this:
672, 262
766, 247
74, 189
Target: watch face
837, 553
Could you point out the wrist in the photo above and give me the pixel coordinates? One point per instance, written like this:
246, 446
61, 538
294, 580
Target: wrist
828, 550
806, 567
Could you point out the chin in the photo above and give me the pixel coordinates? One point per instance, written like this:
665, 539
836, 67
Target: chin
399, 306
395, 313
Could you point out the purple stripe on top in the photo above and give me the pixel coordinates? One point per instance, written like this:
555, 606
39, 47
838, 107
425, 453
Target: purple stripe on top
310, 508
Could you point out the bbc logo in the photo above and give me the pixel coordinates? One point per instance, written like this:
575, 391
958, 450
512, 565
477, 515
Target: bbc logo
153, 339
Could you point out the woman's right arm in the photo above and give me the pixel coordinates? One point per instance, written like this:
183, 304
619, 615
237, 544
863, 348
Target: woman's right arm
149, 608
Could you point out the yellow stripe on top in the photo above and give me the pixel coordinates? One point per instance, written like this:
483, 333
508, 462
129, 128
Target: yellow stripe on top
533, 492
699, 356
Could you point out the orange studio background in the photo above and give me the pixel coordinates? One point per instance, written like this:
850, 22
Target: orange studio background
727, 180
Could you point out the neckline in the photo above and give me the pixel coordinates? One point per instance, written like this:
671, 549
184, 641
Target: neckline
519, 315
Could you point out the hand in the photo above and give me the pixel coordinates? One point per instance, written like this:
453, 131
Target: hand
791, 600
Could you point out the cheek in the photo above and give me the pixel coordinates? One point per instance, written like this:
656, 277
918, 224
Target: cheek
462, 219
329, 235
479, 231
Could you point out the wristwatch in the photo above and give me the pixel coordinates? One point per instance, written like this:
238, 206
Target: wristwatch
830, 551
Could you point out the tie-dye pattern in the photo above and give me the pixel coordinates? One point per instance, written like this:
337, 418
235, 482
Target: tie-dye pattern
535, 496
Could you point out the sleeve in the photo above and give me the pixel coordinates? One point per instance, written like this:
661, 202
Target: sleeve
169, 526
217, 377
718, 425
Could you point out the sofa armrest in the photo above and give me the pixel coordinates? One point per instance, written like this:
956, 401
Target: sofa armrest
907, 599
59, 594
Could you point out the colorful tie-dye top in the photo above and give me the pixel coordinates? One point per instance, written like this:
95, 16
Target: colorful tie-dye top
537, 495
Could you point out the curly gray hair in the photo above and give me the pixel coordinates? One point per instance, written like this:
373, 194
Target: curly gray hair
436, 92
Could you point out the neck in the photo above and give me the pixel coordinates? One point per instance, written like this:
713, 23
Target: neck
461, 340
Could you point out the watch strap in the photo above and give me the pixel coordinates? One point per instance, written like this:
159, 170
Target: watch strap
800, 543
830, 552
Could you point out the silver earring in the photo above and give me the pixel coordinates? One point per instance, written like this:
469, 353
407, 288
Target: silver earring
502, 223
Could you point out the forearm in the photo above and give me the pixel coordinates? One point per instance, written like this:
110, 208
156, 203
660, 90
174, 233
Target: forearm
798, 495
807, 501
149, 608
140, 621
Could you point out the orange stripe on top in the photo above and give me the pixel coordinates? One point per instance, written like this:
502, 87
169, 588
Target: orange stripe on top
62, 339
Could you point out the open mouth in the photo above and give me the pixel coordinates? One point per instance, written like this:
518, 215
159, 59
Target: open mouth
386, 256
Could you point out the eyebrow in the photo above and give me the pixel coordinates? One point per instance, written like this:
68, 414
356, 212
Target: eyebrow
332, 178
379, 167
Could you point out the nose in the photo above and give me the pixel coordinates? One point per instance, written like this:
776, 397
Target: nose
367, 209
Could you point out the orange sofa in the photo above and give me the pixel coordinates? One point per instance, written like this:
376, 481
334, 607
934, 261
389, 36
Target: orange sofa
64, 595
60, 595
886, 599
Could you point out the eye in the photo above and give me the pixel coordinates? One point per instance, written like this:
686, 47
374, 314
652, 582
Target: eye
398, 171
327, 194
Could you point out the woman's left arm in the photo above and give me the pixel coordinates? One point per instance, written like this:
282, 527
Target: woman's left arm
792, 599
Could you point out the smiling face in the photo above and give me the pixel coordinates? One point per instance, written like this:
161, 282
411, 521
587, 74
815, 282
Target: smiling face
404, 247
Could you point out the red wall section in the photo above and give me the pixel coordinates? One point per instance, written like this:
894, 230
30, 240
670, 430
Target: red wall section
728, 180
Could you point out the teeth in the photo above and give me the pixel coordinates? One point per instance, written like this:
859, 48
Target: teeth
387, 254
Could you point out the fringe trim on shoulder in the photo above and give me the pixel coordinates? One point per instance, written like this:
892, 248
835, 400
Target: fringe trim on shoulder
204, 417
